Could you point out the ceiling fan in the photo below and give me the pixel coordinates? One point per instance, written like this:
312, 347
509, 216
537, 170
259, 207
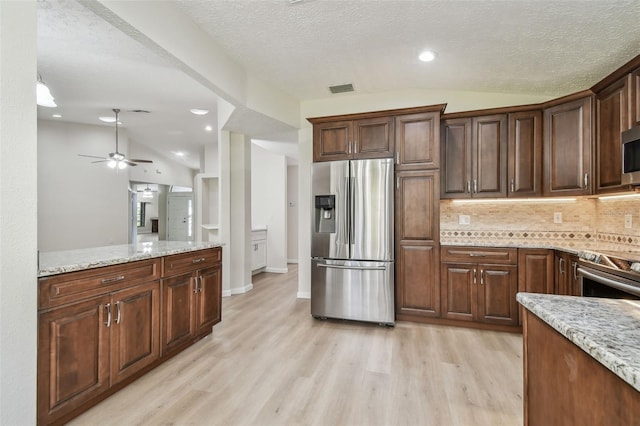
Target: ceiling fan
116, 159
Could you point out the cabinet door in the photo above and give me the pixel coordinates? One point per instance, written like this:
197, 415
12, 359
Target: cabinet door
178, 322
373, 138
418, 281
258, 255
489, 156
563, 274
459, 292
417, 207
418, 141
332, 141
73, 356
567, 149
536, 271
525, 154
612, 118
209, 301
455, 150
135, 334
497, 288
635, 98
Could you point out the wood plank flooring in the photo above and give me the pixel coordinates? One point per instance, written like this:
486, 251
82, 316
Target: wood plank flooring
270, 363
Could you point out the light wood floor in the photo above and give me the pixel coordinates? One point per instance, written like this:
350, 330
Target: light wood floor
270, 363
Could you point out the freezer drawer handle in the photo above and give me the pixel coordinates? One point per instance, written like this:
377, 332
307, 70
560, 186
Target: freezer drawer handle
360, 268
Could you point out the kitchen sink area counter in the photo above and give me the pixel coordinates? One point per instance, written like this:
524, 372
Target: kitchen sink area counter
59, 262
581, 360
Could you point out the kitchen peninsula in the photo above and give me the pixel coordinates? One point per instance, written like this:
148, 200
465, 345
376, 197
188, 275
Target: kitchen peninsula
108, 315
581, 360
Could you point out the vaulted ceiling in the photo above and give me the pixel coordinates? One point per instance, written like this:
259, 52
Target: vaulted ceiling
547, 48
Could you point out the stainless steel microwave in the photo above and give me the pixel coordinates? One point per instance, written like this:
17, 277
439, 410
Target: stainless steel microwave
631, 156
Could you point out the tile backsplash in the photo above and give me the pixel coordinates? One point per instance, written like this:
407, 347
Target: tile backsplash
586, 223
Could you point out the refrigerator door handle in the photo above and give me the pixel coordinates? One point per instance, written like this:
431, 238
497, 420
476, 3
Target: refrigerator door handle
359, 268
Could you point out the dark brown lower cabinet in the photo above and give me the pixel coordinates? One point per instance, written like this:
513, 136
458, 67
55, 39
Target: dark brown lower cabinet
99, 329
191, 307
418, 284
563, 385
73, 357
480, 293
566, 274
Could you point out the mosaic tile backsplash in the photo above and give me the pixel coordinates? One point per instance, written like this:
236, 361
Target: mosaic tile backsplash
586, 223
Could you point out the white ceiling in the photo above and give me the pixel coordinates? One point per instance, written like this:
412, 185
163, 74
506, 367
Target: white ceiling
519, 46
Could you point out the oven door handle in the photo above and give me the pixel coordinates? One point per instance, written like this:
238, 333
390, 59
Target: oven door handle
609, 282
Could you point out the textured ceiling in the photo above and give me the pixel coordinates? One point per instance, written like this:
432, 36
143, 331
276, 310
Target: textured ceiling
531, 47
541, 47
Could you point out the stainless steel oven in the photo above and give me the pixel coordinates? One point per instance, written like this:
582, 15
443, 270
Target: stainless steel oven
610, 275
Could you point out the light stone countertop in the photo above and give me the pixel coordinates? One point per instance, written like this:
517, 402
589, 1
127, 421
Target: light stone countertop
606, 329
570, 250
58, 262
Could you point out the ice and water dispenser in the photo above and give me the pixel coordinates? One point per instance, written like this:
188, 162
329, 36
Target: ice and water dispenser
325, 213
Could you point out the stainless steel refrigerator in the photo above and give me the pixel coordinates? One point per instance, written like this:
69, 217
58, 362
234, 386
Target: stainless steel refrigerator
352, 240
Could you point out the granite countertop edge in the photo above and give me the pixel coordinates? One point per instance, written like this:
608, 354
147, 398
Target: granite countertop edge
63, 261
606, 329
570, 250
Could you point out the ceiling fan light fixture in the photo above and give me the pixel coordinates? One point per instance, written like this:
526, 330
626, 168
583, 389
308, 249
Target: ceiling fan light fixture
112, 164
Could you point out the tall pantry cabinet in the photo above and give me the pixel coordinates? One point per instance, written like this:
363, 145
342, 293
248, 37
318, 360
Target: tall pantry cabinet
417, 230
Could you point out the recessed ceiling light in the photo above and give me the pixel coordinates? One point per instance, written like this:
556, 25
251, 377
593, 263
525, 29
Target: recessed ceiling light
208, 128
197, 111
56, 116
179, 153
427, 56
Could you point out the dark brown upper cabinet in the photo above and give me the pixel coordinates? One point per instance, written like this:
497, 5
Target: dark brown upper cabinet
474, 157
352, 139
613, 116
418, 141
524, 166
567, 147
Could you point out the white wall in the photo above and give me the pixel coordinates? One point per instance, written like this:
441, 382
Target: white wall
81, 204
18, 213
269, 203
292, 214
161, 171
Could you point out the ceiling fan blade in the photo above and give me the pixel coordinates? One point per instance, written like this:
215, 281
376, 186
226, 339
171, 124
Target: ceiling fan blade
140, 161
99, 161
90, 156
129, 163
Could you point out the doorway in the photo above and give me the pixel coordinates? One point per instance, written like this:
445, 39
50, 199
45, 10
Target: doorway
180, 216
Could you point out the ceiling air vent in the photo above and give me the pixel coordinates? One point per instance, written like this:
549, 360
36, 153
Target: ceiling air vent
342, 88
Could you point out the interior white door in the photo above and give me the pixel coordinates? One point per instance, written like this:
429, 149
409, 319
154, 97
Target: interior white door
180, 216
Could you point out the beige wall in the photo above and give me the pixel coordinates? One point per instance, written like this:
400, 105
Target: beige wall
587, 223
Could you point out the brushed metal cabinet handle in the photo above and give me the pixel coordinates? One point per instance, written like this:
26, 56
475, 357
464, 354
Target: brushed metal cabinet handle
202, 259
513, 186
108, 321
118, 312
586, 180
481, 276
475, 186
475, 272
561, 265
195, 284
113, 279
468, 186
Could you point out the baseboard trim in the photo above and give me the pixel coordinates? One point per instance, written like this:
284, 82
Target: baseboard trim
226, 293
304, 295
277, 270
292, 260
241, 290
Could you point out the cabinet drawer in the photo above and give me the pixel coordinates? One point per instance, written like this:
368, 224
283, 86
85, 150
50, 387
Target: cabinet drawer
191, 261
480, 255
71, 287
